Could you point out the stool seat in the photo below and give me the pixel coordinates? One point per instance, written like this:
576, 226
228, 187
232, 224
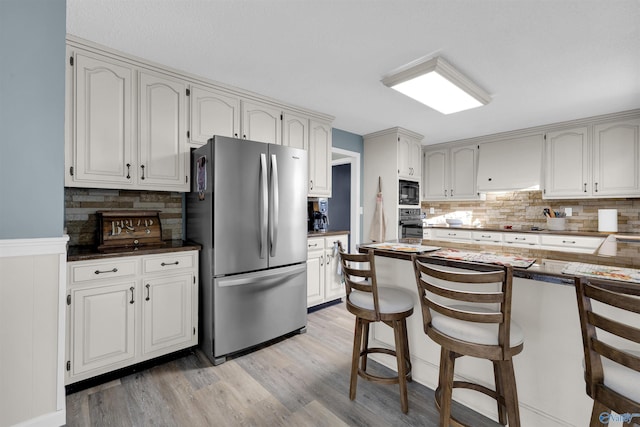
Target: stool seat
608, 311
371, 303
466, 309
390, 300
473, 332
621, 379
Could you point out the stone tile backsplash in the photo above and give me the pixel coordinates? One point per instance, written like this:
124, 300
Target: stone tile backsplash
81, 206
523, 210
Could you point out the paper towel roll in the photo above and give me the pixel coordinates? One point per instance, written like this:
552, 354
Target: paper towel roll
608, 220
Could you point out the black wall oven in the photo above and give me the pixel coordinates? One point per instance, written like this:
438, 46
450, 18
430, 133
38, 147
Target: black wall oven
409, 223
408, 193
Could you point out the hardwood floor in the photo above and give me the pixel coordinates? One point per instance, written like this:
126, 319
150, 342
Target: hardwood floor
299, 381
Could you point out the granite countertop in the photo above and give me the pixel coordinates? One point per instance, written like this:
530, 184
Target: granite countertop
84, 253
325, 233
521, 230
548, 265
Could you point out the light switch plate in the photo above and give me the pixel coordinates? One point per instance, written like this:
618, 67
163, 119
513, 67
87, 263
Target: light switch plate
432, 210
568, 211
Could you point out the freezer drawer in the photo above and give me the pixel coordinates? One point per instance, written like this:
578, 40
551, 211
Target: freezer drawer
252, 308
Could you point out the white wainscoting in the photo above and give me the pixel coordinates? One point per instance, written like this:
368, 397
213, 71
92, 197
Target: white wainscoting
32, 331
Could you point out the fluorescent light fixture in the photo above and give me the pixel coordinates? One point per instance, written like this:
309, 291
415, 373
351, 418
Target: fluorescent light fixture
437, 84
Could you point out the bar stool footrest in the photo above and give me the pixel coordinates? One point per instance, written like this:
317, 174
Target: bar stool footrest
378, 379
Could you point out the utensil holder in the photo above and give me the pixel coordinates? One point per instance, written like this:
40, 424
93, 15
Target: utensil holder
556, 224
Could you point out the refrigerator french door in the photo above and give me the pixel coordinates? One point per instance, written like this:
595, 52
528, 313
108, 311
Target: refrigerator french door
248, 211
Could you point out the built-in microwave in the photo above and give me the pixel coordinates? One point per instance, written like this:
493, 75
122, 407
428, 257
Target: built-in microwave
408, 192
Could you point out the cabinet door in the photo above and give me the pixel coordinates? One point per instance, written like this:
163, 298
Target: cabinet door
103, 325
261, 122
415, 159
319, 159
566, 164
616, 170
464, 167
102, 123
315, 277
213, 113
295, 131
163, 150
167, 312
334, 288
436, 182
404, 157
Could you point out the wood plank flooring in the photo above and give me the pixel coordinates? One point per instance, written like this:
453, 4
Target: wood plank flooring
299, 381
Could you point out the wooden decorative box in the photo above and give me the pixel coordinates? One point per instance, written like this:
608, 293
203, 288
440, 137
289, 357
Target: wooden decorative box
130, 228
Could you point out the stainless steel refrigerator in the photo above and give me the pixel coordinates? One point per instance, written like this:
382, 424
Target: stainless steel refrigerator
247, 209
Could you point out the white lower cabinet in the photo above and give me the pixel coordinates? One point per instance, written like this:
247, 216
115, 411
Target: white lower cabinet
323, 281
122, 311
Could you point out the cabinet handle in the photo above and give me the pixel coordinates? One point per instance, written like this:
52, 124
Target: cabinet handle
311, 184
573, 242
596, 187
148, 286
131, 289
451, 192
445, 193
451, 234
520, 238
128, 170
485, 236
321, 260
235, 134
585, 187
164, 264
314, 245
113, 270
142, 167
244, 136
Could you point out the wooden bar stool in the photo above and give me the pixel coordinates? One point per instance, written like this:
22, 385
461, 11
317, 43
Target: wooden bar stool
467, 311
372, 303
612, 374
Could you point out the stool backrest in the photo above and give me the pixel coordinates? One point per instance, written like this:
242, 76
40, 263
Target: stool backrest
359, 272
456, 289
615, 300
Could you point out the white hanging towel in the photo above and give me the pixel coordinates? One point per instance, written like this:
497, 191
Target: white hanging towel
379, 223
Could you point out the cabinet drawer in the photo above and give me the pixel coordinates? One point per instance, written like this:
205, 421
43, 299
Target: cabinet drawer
521, 238
487, 236
168, 262
82, 271
315, 243
342, 238
452, 234
571, 242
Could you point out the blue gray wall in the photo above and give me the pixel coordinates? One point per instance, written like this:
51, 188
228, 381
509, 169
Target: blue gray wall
32, 52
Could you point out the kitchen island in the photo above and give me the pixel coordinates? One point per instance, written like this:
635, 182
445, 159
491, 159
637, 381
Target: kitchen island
549, 373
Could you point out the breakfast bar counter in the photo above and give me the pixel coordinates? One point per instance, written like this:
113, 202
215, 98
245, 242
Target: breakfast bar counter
549, 373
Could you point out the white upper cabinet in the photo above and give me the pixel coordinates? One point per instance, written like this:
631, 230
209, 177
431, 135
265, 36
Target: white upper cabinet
295, 131
450, 173
566, 159
101, 119
616, 158
319, 159
599, 160
129, 123
213, 112
163, 155
261, 122
409, 158
510, 164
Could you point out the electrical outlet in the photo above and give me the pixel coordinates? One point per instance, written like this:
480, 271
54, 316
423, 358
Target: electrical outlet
568, 211
432, 210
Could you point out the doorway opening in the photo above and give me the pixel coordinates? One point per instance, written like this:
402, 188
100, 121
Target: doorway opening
345, 194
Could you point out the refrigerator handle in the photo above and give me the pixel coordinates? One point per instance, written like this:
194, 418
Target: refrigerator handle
273, 225
264, 217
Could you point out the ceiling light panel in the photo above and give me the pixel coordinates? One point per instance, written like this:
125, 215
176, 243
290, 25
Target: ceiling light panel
438, 85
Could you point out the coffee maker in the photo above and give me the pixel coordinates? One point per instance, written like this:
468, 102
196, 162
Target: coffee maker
318, 215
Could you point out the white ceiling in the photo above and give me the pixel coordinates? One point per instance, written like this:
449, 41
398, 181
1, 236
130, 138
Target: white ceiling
542, 61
